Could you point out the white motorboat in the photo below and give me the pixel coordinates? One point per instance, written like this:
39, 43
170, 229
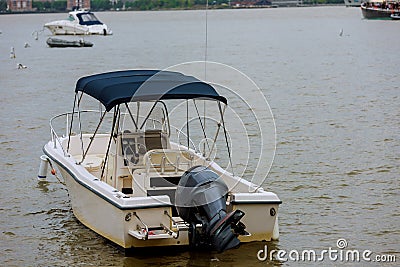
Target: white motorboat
79, 22
130, 182
395, 16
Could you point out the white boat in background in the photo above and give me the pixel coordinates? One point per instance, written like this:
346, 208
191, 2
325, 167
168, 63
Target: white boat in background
131, 183
79, 22
395, 16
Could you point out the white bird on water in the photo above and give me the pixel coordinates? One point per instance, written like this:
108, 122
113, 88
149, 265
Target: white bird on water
20, 66
12, 52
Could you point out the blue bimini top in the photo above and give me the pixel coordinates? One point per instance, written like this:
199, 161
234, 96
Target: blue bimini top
114, 88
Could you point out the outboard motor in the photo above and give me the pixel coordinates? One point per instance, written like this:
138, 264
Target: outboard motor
200, 199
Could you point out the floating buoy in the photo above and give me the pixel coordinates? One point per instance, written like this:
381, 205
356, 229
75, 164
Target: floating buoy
12, 52
341, 32
44, 164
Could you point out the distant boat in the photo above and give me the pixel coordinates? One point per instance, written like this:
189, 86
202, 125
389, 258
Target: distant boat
78, 23
395, 16
55, 42
352, 3
379, 9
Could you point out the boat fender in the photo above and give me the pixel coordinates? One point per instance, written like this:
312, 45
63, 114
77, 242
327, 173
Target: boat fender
44, 164
275, 232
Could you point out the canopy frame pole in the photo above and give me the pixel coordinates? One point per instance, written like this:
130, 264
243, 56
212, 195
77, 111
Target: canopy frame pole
100, 109
80, 125
163, 122
131, 115
137, 114
215, 140
151, 110
203, 129
92, 137
167, 116
118, 121
148, 115
187, 123
80, 98
116, 114
216, 135
204, 120
72, 120
222, 112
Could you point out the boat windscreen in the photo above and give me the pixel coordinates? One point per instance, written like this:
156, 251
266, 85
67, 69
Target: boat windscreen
88, 19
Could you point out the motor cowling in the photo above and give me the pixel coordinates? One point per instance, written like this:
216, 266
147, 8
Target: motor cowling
200, 200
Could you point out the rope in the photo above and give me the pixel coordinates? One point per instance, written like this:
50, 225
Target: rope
53, 171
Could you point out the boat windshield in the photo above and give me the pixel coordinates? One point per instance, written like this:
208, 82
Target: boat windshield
88, 19
144, 116
70, 18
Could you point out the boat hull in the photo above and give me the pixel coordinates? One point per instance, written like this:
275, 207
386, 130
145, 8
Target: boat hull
376, 13
107, 212
70, 28
395, 16
112, 222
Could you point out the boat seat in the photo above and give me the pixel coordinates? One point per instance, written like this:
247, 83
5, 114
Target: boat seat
167, 160
92, 163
